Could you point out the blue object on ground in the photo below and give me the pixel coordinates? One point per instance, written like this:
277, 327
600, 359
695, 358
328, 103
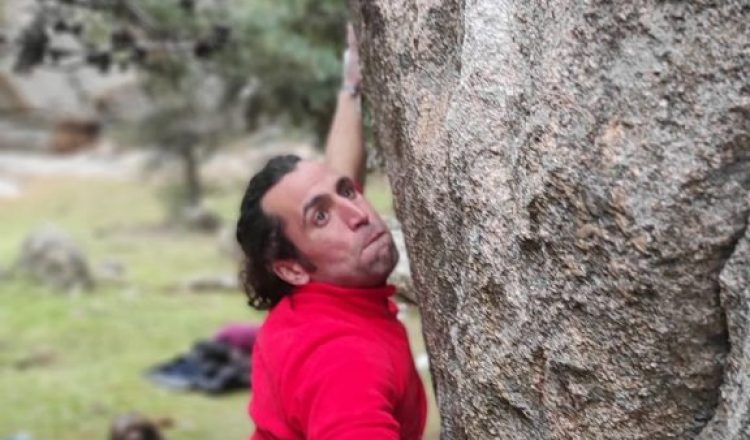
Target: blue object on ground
211, 367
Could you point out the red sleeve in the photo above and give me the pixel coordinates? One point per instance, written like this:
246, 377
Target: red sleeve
346, 391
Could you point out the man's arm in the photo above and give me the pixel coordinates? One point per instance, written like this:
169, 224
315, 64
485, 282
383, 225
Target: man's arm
345, 146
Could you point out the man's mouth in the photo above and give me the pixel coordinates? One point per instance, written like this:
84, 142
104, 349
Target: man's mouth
375, 238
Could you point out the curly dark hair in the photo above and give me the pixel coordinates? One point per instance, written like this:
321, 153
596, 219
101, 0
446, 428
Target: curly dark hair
261, 237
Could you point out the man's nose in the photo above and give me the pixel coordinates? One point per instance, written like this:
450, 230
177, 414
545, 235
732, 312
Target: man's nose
353, 215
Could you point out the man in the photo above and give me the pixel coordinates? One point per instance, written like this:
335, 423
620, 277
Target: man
331, 361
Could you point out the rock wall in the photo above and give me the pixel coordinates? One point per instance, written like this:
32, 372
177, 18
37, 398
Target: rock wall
572, 179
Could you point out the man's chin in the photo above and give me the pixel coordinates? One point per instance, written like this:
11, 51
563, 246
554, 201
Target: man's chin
387, 269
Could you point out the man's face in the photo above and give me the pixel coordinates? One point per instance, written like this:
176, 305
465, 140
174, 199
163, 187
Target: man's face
333, 226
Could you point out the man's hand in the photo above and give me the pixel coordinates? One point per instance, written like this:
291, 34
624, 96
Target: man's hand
345, 147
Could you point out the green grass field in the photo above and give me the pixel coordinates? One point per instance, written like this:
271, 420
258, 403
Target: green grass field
70, 363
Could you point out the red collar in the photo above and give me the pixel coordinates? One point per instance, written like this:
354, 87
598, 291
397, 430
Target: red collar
368, 300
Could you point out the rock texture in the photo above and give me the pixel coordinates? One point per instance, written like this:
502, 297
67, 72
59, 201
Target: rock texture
401, 275
50, 256
572, 179
732, 419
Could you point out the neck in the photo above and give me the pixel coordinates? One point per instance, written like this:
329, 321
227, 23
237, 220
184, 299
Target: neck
338, 288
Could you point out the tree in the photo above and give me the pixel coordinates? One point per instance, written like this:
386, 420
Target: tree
274, 60
572, 179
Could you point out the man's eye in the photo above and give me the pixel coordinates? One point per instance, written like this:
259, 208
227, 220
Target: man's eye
348, 192
320, 218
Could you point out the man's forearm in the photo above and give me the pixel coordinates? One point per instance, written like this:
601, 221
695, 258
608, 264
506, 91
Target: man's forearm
345, 146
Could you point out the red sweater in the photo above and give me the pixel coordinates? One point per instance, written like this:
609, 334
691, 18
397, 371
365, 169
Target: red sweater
334, 363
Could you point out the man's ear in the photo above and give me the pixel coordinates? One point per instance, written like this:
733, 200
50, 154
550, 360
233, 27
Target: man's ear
290, 271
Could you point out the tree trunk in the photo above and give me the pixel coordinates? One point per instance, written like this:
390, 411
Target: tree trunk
193, 184
572, 179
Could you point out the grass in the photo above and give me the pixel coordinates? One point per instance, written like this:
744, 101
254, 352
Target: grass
86, 356
70, 363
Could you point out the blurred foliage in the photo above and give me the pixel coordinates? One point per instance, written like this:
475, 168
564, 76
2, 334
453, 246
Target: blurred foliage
277, 59
294, 49
212, 68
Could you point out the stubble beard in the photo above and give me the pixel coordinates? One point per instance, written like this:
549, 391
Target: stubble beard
382, 267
